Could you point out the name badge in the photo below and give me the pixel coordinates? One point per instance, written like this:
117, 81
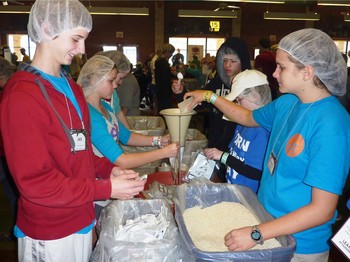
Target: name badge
79, 137
272, 163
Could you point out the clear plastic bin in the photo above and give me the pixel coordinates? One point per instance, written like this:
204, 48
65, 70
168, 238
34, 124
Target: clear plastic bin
208, 194
147, 125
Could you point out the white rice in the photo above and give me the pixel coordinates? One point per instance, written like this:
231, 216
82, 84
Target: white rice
208, 226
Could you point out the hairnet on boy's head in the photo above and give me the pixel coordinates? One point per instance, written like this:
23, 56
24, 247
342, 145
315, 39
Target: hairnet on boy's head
94, 71
50, 18
120, 60
315, 48
259, 95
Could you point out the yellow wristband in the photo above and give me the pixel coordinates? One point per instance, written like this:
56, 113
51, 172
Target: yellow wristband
206, 96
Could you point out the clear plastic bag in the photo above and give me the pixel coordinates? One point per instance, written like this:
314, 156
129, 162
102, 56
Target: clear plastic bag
201, 166
167, 246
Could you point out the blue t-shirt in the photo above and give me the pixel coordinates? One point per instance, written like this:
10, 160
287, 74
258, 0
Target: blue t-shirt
61, 85
311, 143
116, 102
107, 133
248, 145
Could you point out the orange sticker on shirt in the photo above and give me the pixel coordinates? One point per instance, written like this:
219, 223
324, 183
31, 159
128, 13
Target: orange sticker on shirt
295, 145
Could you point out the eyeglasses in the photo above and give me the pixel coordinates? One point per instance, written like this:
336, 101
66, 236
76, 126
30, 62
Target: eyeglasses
238, 100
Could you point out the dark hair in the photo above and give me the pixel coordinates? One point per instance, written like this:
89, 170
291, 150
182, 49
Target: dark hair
317, 81
265, 42
6, 68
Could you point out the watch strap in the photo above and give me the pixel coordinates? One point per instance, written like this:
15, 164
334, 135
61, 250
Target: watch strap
256, 235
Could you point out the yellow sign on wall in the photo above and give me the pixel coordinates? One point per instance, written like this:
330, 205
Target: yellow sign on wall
214, 26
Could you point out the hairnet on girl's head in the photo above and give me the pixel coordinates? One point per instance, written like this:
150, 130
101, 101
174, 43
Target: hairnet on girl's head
94, 71
50, 18
315, 48
120, 60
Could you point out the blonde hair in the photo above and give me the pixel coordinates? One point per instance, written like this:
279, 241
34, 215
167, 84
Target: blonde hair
93, 72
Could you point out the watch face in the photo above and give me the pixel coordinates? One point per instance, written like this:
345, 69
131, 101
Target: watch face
256, 235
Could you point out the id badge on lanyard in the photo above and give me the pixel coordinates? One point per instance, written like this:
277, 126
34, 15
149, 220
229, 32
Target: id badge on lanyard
272, 163
79, 137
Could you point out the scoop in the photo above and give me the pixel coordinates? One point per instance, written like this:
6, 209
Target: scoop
180, 76
183, 106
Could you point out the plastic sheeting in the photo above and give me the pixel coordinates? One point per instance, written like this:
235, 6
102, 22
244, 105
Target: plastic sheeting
201, 192
163, 242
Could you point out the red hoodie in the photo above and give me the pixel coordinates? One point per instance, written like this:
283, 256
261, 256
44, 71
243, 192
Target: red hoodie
57, 187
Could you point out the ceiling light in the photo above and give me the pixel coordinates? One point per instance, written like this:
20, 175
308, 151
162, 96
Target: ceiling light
207, 13
118, 11
253, 1
291, 16
334, 3
347, 17
5, 3
14, 9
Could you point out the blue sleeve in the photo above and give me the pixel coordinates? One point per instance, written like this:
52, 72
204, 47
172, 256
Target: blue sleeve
328, 150
101, 138
124, 134
265, 116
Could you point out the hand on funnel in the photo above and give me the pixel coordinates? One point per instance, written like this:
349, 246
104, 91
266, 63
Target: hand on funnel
171, 150
198, 97
165, 140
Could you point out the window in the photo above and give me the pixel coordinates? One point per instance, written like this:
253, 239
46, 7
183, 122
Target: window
17, 41
109, 47
205, 45
129, 51
344, 48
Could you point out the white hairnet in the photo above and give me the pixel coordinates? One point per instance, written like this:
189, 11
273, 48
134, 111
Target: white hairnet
259, 95
315, 48
120, 60
50, 18
94, 71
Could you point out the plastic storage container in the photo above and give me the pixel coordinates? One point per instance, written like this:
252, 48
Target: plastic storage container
208, 194
147, 125
168, 248
150, 126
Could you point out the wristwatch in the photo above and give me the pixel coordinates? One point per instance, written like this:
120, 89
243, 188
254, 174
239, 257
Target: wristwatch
256, 235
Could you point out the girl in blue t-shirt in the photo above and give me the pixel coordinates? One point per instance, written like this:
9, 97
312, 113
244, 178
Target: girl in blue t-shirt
307, 158
98, 78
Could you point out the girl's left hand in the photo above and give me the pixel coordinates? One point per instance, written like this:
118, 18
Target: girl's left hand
213, 153
239, 239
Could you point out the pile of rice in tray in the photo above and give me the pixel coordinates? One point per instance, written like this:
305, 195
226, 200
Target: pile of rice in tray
208, 226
